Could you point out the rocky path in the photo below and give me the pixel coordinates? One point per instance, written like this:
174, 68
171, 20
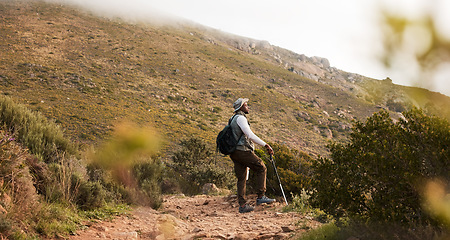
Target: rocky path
201, 217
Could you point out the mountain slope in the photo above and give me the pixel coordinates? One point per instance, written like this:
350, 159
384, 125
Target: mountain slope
88, 72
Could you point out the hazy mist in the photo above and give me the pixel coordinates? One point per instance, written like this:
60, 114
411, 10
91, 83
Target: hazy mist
131, 10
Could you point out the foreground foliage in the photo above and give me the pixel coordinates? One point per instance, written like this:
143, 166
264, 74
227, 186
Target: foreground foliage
46, 190
379, 175
337, 230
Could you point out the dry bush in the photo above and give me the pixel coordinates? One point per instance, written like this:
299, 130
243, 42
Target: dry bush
18, 196
195, 165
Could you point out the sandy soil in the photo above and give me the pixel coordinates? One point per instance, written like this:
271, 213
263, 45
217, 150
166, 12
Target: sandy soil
201, 217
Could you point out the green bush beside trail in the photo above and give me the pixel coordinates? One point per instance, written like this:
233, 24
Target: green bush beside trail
379, 175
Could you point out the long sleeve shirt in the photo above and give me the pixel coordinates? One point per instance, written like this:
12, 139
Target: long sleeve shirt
245, 127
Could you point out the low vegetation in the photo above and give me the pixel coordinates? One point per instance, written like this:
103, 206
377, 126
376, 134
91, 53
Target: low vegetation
50, 195
379, 177
195, 164
293, 166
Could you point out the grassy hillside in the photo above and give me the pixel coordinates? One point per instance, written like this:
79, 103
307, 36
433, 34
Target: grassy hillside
87, 73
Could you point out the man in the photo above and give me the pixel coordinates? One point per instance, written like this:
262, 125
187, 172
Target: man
243, 157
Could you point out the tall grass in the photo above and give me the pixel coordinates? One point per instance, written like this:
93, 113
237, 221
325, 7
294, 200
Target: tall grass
45, 139
37, 175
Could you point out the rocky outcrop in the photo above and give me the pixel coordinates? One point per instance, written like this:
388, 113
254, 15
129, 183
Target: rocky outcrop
315, 68
321, 62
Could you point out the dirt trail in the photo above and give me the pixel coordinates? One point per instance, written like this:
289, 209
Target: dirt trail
201, 217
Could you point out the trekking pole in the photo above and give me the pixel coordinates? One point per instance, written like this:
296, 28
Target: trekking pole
276, 172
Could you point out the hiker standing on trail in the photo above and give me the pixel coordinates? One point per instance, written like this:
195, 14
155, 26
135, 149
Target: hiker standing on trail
244, 157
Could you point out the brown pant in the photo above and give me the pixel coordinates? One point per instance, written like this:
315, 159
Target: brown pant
242, 160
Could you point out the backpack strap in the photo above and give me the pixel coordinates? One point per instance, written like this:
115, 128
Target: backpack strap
231, 119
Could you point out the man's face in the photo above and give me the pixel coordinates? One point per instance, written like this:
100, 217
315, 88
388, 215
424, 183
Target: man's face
245, 108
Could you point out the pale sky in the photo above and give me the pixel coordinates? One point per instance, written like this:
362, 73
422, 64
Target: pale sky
346, 32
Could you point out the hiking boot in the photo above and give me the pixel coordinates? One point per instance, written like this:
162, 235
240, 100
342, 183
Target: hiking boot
245, 208
264, 199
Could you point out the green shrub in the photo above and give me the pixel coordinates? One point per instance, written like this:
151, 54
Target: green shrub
196, 166
294, 169
107, 212
328, 231
170, 183
115, 192
148, 177
90, 195
379, 174
299, 203
44, 138
57, 220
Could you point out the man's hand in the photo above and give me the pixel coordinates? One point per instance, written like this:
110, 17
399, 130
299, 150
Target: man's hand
269, 149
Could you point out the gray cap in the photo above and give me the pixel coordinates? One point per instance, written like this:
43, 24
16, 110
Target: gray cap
238, 104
